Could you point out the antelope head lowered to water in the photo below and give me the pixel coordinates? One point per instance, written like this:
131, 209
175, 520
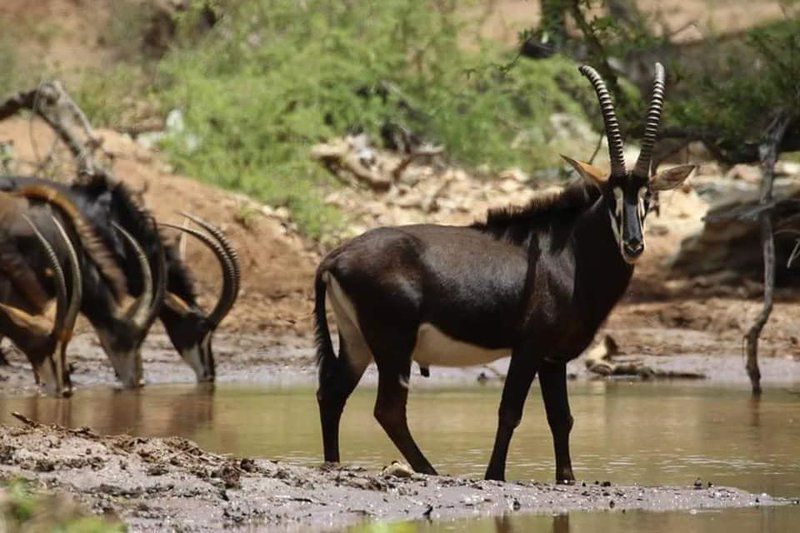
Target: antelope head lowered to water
105, 205
121, 326
534, 283
24, 314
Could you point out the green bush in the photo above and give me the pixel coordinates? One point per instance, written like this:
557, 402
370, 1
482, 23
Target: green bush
275, 77
22, 509
737, 95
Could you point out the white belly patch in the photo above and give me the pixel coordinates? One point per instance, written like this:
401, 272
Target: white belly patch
433, 347
439, 349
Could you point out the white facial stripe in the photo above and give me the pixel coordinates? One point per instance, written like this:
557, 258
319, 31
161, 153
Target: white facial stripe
616, 217
642, 210
615, 229
641, 195
618, 196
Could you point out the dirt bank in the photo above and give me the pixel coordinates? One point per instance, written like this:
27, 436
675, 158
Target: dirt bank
152, 484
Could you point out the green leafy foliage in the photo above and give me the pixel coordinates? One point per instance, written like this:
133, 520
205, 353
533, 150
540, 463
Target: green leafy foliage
22, 509
736, 97
277, 76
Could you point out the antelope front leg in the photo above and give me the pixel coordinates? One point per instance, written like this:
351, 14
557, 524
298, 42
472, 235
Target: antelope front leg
521, 372
553, 379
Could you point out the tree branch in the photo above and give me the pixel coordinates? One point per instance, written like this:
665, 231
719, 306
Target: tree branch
768, 154
51, 102
598, 53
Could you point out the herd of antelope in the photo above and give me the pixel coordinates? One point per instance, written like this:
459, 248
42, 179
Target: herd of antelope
533, 283
91, 249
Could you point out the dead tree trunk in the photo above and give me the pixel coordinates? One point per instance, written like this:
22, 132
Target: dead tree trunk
768, 154
51, 102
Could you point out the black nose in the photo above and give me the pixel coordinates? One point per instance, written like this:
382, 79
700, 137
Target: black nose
633, 247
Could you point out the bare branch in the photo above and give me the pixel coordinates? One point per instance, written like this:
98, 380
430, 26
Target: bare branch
768, 154
51, 102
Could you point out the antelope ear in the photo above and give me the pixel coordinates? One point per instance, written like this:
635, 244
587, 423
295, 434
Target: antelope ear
671, 178
588, 172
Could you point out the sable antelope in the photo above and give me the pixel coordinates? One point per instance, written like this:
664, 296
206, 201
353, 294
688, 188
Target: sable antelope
121, 328
534, 283
189, 328
23, 297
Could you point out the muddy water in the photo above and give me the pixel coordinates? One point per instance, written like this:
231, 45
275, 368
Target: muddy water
655, 434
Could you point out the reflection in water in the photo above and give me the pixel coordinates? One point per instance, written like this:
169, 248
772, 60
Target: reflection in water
779, 519
755, 410
561, 523
140, 412
624, 432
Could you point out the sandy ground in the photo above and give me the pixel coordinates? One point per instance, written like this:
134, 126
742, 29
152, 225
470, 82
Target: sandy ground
153, 484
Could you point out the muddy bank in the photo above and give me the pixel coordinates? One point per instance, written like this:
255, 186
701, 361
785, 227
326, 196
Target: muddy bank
158, 483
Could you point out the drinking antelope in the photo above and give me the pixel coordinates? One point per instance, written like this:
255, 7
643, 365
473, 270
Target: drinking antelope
534, 283
188, 326
24, 311
121, 326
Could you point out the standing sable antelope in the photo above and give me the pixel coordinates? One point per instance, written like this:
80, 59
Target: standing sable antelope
189, 328
534, 283
24, 299
121, 327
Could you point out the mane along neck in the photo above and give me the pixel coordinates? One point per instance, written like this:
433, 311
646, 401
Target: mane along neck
179, 280
141, 224
547, 209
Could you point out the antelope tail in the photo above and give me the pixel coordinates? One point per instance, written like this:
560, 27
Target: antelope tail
325, 354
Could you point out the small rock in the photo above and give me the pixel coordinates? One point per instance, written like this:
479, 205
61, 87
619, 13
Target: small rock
156, 470
398, 469
428, 511
248, 465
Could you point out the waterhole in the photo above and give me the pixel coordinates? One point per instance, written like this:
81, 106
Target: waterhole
625, 433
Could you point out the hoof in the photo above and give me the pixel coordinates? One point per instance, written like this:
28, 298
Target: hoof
565, 477
494, 476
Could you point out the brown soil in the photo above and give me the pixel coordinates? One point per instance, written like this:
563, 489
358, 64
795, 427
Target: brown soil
62, 35
153, 484
502, 20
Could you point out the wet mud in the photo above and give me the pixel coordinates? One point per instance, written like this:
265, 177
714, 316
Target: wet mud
155, 483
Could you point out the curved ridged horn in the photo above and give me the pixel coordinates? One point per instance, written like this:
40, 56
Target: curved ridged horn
75, 284
161, 282
60, 281
642, 168
73, 308
140, 309
228, 295
613, 135
226, 245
